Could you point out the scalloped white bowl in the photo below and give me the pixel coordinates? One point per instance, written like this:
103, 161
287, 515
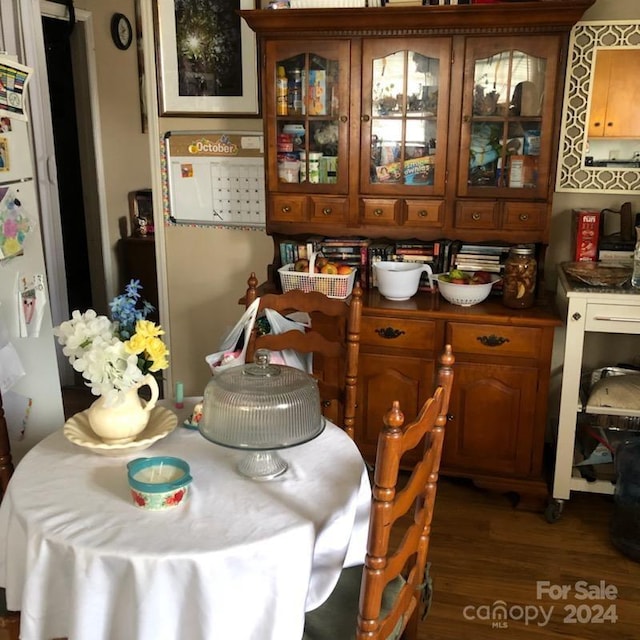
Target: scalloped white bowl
161, 423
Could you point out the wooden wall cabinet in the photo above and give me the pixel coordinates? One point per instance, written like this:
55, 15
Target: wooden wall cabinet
615, 98
431, 122
420, 114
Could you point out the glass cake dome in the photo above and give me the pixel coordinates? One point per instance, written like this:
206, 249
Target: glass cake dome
261, 407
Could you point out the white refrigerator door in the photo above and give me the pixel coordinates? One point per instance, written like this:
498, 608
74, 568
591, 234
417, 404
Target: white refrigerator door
15, 151
41, 384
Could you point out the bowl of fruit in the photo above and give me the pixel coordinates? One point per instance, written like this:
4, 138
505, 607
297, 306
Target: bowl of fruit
464, 288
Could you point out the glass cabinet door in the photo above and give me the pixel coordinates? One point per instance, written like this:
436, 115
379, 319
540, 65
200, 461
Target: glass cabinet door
307, 88
404, 116
507, 117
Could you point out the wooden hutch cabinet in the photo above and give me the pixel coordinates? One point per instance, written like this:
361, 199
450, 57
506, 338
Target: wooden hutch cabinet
428, 122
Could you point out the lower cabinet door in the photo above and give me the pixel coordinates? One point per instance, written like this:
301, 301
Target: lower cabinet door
492, 409
381, 380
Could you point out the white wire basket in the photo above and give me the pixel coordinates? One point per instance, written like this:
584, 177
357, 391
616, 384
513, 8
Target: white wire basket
333, 286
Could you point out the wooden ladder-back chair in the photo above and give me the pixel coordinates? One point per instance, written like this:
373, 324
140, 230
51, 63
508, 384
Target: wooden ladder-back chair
9, 620
334, 341
382, 600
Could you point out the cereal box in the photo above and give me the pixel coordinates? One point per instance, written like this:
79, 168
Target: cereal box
585, 235
317, 95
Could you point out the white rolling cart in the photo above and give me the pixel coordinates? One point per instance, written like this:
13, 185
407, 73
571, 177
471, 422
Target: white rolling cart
587, 309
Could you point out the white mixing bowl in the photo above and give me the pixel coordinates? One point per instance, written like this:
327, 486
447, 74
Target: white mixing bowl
400, 280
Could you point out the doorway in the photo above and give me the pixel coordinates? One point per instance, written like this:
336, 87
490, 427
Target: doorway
57, 34
71, 94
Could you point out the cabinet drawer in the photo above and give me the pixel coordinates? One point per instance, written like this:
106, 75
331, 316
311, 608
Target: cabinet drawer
425, 213
399, 333
488, 339
329, 210
476, 215
379, 211
612, 318
288, 208
525, 216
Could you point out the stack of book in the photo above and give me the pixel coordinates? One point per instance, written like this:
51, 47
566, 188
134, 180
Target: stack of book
349, 250
292, 250
379, 250
404, 3
421, 252
326, 4
481, 257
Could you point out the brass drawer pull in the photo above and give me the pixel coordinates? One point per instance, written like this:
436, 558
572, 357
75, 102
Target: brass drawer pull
378, 212
286, 209
423, 213
389, 333
492, 340
475, 216
326, 211
524, 217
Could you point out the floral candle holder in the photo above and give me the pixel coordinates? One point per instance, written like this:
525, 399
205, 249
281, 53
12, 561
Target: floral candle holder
158, 483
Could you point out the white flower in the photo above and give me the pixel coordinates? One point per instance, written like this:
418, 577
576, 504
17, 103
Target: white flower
100, 348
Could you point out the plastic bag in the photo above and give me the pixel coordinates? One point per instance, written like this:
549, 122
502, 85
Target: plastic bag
280, 324
233, 350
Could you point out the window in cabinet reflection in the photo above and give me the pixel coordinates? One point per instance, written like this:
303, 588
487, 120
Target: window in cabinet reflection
508, 90
404, 111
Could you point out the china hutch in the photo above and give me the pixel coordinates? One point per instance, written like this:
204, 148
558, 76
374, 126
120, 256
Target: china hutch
428, 122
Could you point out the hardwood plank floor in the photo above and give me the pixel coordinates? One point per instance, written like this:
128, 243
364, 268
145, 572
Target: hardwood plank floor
483, 551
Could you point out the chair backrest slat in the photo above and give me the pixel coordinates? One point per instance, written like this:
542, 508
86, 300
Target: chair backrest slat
334, 341
406, 562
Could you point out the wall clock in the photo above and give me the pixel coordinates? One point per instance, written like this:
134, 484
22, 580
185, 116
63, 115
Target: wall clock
121, 31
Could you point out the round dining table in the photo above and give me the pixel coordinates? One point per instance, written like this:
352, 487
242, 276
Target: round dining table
239, 560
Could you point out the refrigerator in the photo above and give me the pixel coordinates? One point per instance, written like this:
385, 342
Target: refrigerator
29, 377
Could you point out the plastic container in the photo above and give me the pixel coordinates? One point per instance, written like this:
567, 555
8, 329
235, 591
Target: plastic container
625, 524
282, 92
314, 167
333, 286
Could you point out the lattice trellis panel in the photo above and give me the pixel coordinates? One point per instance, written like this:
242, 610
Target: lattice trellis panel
573, 175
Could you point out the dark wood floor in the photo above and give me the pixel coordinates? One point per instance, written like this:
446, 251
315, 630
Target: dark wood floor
484, 552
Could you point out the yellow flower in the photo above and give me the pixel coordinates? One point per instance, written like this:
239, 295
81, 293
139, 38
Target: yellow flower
148, 329
157, 351
136, 344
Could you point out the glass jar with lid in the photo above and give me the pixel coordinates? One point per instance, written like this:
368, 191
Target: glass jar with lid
519, 281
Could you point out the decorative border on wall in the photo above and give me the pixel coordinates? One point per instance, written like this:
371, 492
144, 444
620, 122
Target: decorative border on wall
572, 174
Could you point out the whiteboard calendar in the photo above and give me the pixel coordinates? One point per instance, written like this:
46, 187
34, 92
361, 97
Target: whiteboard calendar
215, 178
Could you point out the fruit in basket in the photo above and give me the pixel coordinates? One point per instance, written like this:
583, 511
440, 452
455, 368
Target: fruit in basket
457, 276
329, 269
481, 277
344, 270
301, 265
321, 261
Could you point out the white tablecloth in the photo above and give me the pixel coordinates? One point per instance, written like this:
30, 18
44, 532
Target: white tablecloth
241, 560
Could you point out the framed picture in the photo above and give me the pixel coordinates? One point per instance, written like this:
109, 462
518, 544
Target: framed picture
141, 212
207, 63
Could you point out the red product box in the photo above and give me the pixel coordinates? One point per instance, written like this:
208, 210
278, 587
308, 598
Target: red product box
586, 234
